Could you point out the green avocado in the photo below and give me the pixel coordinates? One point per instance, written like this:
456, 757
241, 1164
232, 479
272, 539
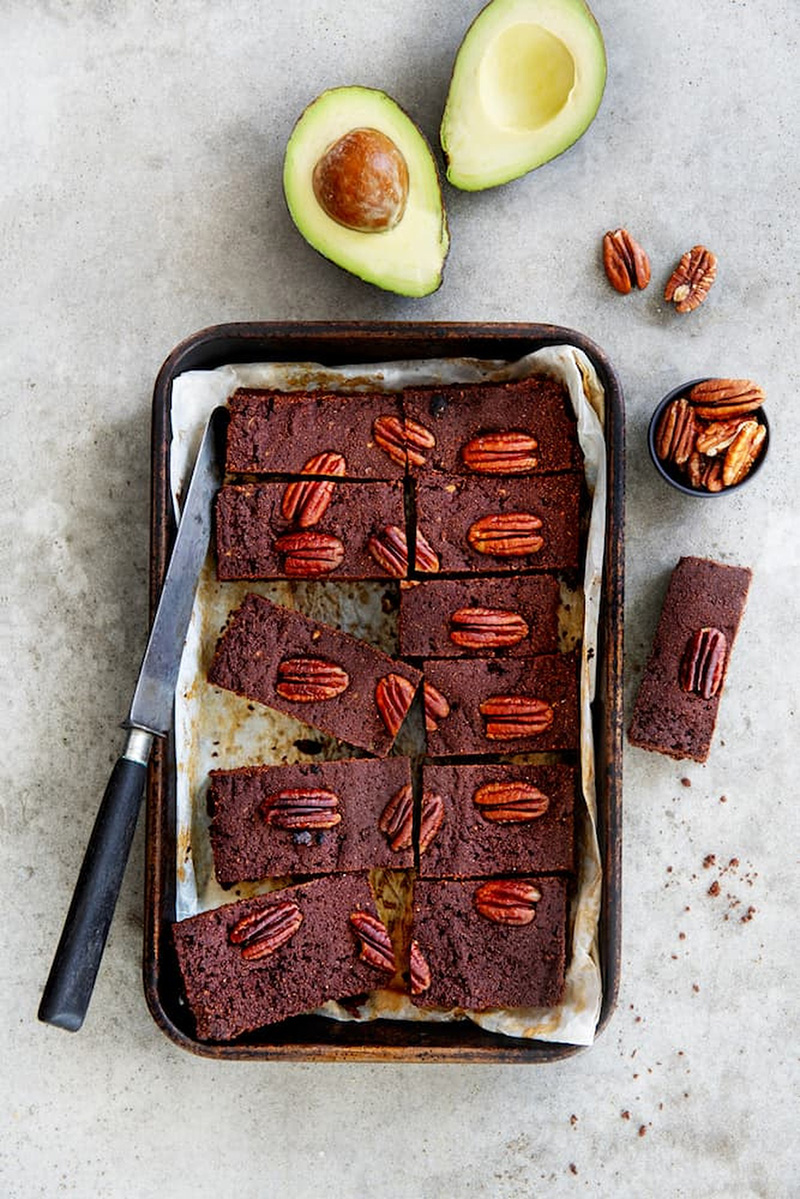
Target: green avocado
362, 188
527, 82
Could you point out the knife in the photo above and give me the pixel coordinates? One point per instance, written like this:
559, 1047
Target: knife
77, 959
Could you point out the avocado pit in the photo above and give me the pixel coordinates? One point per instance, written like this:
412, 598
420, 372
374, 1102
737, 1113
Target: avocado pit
361, 181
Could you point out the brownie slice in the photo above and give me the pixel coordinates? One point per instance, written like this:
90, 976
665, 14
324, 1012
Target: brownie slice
538, 408
504, 819
275, 432
462, 618
476, 959
679, 695
478, 525
256, 541
234, 983
315, 673
309, 818
504, 706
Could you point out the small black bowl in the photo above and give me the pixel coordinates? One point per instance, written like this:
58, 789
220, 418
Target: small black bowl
672, 474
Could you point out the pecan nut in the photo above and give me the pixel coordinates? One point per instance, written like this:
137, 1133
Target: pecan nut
691, 281
724, 399
625, 262
426, 560
508, 717
302, 808
717, 436
260, 933
514, 802
310, 680
393, 696
507, 901
326, 463
376, 944
487, 628
702, 666
403, 439
506, 535
419, 969
389, 548
507, 453
431, 818
397, 819
436, 706
306, 503
743, 452
675, 433
309, 555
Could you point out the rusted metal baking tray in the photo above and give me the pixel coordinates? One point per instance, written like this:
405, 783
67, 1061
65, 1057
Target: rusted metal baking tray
315, 1038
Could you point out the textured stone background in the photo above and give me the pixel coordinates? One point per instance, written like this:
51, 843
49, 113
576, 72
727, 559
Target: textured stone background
141, 200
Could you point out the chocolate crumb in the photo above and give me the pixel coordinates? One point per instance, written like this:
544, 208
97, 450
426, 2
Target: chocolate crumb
714, 888
681, 936
695, 987
573, 1120
626, 1115
748, 916
723, 799
686, 782
734, 862
573, 1169
642, 1130
709, 860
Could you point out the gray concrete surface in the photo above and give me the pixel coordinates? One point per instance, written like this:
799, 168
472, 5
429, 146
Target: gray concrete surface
140, 181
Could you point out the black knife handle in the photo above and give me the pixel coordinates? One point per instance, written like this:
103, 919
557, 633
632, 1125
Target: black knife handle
77, 959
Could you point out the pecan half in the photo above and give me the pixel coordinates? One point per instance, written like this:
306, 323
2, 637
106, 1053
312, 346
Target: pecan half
691, 281
397, 819
308, 555
506, 535
743, 452
431, 818
508, 453
376, 944
717, 436
703, 663
507, 900
436, 705
305, 504
389, 548
675, 433
487, 628
310, 680
403, 439
393, 696
711, 474
326, 463
302, 807
625, 261
426, 560
510, 716
724, 399
261, 933
419, 969
514, 802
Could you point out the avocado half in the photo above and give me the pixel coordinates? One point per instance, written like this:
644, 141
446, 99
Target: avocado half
404, 254
527, 82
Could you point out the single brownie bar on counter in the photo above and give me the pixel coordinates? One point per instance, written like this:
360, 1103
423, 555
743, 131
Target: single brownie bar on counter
316, 433
460, 618
500, 819
310, 818
514, 428
317, 674
491, 943
679, 695
493, 706
480, 525
264, 959
308, 529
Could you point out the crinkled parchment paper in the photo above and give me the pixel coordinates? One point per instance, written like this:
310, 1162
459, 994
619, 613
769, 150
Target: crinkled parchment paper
215, 729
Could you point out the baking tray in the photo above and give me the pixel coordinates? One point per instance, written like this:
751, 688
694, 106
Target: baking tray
315, 1038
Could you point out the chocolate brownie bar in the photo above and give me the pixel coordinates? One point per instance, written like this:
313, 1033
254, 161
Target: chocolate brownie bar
477, 525
309, 528
275, 432
261, 960
309, 818
500, 819
315, 673
521, 427
676, 708
493, 942
496, 706
462, 618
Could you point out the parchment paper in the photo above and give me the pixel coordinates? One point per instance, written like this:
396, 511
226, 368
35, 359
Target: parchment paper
216, 729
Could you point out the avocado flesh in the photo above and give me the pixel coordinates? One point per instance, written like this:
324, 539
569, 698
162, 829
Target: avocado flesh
408, 258
527, 82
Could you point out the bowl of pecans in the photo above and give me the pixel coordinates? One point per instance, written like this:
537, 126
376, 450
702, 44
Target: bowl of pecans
709, 436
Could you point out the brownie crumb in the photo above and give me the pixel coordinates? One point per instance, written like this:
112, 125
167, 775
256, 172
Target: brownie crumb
723, 799
686, 782
626, 1115
709, 860
573, 1120
748, 916
573, 1169
642, 1130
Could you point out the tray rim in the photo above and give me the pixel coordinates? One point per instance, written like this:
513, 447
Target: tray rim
351, 341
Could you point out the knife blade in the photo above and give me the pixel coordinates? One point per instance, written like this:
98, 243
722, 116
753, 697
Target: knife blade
69, 986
